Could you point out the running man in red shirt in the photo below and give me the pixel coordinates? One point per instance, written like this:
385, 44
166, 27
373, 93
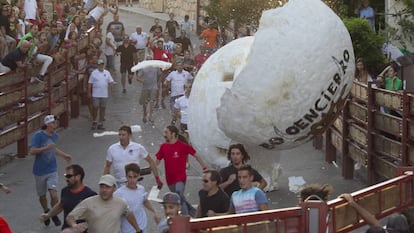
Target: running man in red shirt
175, 153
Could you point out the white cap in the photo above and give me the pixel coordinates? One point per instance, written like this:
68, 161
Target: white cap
49, 119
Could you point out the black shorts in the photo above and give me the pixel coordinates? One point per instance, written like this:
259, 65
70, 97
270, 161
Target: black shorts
126, 68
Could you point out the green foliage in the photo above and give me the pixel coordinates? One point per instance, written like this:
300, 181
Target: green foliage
241, 12
367, 44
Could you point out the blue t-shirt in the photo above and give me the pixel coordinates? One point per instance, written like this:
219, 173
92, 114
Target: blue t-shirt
45, 162
246, 201
69, 200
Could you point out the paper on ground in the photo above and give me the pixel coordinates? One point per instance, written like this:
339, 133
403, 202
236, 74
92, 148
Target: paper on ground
134, 128
296, 183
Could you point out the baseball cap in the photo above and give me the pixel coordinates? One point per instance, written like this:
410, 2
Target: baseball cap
49, 119
171, 198
100, 61
107, 180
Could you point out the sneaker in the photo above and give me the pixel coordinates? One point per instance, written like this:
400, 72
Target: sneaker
47, 222
124, 91
94, 125
35, 80
56, 221
173, 122
129, 80
101, 127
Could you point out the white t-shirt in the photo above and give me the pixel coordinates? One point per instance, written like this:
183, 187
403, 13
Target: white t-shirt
110, 51
135, 199
186, 26
178, 80
30, 8
100, 83
182, 105
169, 45
120, 157
141, 39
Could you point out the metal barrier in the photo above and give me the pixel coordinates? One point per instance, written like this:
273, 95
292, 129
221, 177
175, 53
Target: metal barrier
317, 216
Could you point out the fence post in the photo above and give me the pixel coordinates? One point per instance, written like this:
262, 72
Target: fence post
179, 224
316, 216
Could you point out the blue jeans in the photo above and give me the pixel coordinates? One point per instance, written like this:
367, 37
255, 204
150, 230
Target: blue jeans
186, 207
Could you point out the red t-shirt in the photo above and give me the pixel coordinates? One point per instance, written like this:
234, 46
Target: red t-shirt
175, 157
161, 54
4, 226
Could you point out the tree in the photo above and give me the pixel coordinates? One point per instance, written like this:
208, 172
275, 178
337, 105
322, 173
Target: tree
367, 44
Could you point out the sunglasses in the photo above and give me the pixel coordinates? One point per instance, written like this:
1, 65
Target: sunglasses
68, 176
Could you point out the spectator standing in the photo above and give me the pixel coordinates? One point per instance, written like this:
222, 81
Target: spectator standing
156, 26
95, 210
185, 41
100, 88
172, 26
361, 72
127, 51
368, 13
125, 152
177, 79
238, 157
21, 26
110, 50
43, 147
159, 53
187, 25
201, 57
210, 36
118, 29
212, 197
181, 111
71, 195
149, 77
175, 154
249, 198
6, 31
168, 43
140, 40
188, 63
171, 203
31, 10
137, 198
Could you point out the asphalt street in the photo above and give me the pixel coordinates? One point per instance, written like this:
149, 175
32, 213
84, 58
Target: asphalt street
22, 209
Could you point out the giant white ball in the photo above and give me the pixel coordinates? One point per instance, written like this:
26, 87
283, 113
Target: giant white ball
277, 89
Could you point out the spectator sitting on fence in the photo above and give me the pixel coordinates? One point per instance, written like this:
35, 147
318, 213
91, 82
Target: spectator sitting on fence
36, 58
361, 72
16, 58
396, 223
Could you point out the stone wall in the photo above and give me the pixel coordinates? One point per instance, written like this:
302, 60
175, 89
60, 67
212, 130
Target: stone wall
178, 7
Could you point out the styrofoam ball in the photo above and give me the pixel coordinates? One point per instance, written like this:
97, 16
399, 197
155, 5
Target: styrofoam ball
275, 90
